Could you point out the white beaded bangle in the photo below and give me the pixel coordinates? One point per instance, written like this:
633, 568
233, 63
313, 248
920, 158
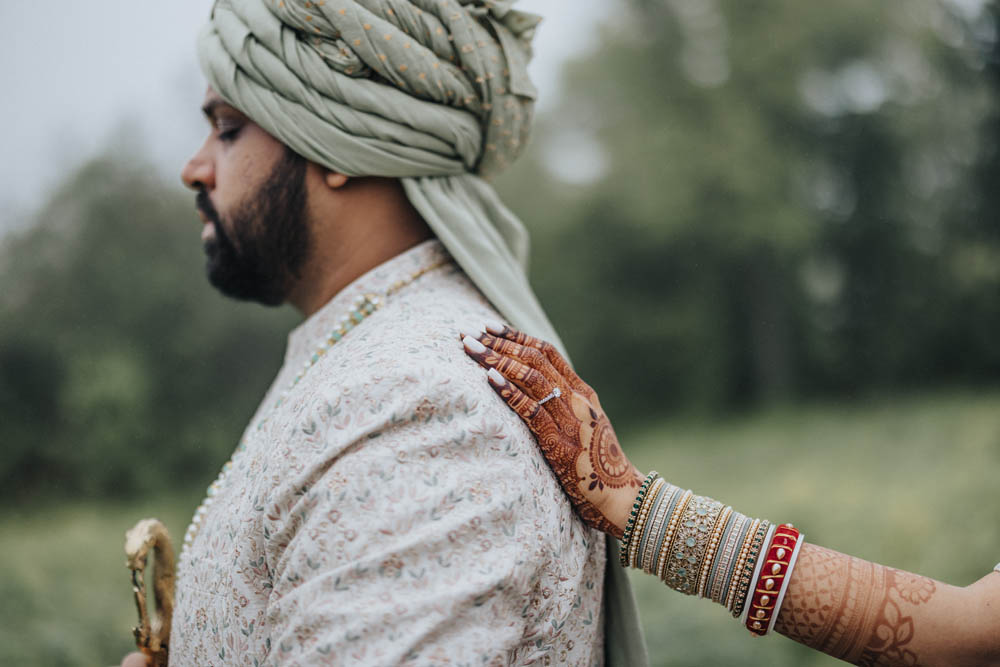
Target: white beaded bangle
996, 568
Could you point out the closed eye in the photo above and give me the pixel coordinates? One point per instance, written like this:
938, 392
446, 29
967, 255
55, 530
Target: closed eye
226, 121
229, 135
227, 130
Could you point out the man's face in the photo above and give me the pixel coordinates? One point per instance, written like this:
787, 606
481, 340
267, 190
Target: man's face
252, 199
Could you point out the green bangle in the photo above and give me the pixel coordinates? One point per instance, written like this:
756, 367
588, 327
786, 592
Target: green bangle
627, 535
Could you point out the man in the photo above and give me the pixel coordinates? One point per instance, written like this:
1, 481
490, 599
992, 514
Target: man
383, 507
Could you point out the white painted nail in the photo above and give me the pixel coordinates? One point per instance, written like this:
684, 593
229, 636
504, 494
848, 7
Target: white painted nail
495, 326
473, 345
495, 377
472, 332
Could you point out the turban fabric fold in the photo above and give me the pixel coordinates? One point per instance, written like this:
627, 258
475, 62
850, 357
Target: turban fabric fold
433, 92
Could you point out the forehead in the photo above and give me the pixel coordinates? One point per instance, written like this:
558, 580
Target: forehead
211, 97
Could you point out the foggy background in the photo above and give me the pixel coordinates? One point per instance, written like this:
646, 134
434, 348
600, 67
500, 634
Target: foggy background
767, 232
77, 75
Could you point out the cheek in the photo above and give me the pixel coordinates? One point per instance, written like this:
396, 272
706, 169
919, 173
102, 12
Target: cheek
242, 167
245, 166
234, 179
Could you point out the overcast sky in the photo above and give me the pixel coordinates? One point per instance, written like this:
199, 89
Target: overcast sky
72, 72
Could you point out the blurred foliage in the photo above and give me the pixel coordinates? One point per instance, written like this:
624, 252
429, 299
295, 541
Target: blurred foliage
120, 369
795, 200
894, 480
734, 203
65, 595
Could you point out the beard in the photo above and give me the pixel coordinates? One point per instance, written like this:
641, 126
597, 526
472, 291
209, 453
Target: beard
258, 255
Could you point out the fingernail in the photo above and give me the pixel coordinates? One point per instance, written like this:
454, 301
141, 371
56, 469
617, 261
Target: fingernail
495, 377
473, 345
472, 332
495, 326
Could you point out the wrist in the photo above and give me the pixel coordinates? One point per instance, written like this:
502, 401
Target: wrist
618, 505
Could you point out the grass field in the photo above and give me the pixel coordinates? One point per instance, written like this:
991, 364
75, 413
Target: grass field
907, 482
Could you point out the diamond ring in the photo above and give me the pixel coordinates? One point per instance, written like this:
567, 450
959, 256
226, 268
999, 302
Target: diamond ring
555, 393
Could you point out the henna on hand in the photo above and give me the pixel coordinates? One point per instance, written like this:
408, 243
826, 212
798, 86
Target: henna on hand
574, 434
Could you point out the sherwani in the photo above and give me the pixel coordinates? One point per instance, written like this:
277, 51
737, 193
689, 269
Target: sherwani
392, 509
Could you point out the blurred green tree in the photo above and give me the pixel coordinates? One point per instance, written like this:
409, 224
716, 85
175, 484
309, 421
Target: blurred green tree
120, 368
775, 213
733, 203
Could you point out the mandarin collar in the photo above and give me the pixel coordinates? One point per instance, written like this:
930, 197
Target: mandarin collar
304, 339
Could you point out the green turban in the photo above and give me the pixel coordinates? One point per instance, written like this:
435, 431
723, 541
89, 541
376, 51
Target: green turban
434, 92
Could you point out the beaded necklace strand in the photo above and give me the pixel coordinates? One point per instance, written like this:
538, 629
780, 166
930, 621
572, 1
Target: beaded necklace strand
363, 306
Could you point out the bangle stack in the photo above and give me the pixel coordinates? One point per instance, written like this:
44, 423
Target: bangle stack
700, 547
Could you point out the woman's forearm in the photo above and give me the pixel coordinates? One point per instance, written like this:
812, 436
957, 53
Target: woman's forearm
846, 607
869, 614
849, 608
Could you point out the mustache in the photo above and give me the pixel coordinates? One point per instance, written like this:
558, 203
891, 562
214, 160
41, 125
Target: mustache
204, 204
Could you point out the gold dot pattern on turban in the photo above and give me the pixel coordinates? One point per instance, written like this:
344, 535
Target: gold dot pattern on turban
382, 87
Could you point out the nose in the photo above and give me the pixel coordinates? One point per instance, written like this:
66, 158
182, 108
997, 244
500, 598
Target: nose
199, 172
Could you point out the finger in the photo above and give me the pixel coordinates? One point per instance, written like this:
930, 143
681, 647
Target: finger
136, 660
527, 379
539, 421
534, 382
558, 362
526, 407
550, 396
526, 355
559, 453
483, 355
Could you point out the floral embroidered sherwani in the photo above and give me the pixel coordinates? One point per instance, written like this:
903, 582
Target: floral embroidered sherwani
392, 510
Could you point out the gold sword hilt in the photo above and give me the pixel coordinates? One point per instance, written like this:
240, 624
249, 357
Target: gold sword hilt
152, 635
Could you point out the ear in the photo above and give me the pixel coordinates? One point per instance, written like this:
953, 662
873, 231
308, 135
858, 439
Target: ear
335, 179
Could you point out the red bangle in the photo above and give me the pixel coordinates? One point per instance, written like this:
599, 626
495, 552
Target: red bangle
772, 579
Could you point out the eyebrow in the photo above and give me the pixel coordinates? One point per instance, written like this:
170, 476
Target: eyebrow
211, 107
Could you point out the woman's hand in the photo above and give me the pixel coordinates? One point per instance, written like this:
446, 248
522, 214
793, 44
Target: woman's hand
566, 417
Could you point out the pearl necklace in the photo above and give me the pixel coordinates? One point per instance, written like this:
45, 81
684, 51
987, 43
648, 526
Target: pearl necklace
363, 306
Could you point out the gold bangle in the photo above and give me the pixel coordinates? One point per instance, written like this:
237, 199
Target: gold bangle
669, 508
668, 538
713, 545
640, 521
721, 575
627, 535
740, 561
748, 568
651, 542
691, 543
643, 536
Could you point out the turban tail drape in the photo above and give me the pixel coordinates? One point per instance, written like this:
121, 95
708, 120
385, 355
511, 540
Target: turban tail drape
434, 92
